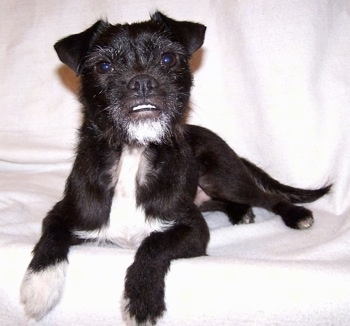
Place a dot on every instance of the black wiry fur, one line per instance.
(123, 67)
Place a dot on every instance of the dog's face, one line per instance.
(135, 79)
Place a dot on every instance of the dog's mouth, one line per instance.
(146, 110)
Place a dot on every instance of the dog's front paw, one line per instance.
(142, 315)
(143, 301)
(41, 291)
(144, 309)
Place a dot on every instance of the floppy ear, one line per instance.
(72, 49)
(190, 34)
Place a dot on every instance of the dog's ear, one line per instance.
(190, 34)
(72, 49)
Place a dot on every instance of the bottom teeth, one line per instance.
(143, 107)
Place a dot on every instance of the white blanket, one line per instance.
(273, 79)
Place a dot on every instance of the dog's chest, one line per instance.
(128, 225)
(127, 221)
(130, 170)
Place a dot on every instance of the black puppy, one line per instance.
(141, 175)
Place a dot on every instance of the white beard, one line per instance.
(146, 131)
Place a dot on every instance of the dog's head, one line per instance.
(135, 78)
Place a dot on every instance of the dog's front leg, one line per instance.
(145, 278)
(85, 207)
(44, 279)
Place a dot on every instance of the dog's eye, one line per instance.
(104, 67)
(168, 59)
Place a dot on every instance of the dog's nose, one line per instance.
(143, 85)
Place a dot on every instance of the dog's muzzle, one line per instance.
(144, 99)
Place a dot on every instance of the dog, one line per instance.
(142, 176)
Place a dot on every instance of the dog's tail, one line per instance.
(295, 195)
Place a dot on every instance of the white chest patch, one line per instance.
(127, 223)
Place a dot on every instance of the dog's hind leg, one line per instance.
(296, 217)
(239, 209)
(44, 279)
(239, 192)
(237, 213)
(223, 176)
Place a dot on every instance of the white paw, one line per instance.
(41, 291)
(305, 223)
(248, 218)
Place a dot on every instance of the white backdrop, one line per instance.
(273, 79)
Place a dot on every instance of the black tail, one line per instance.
(295, 195)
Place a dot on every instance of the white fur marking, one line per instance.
(128, 170)
(41, 291)
(125, 234)
(149, 130)
(128, 225)
(305, 223)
